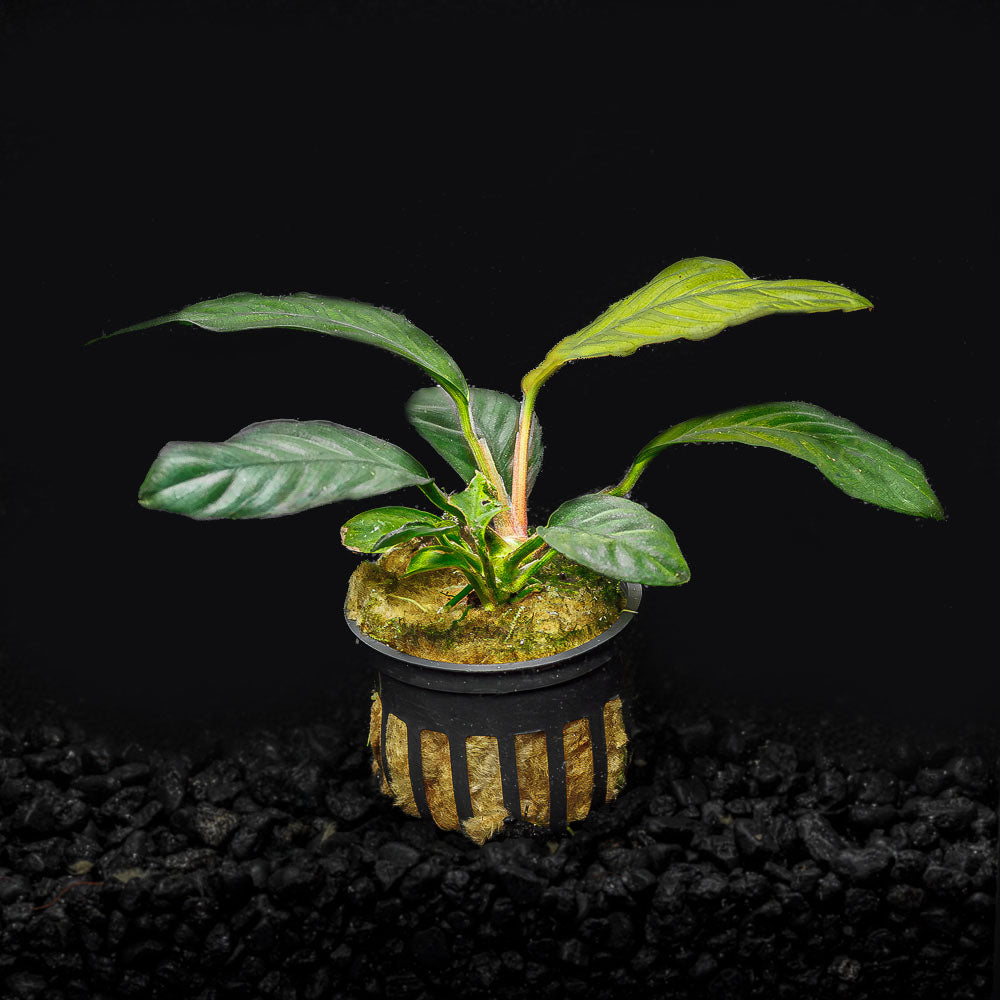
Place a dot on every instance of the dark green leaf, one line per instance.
(274, 468)
(862, 465)
(618, 538)
(362, 531)
(339, 317)
(495, 416)
(692, 299)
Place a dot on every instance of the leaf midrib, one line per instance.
(781, 432)
(343, 324)
(892, 462)
(410, 353)
(660, 306)
(309, 461)
(581, 524)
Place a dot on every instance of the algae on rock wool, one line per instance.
(573, 606)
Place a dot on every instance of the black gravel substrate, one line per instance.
(748, 857)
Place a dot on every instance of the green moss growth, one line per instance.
(574, 605)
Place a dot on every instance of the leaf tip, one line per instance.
(937, 511)
(858, 302)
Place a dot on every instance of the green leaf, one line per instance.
(528, 570)
(274, 468)
(693, 299)
(431, 558)
(495, 415)
(362, 531)
(476, 504)
(477, 508)
(618, 538)
(862, 465)
(408, 531)
(464, 592)
(509, 564)
(338, 317)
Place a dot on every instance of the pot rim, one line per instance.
(633, 595)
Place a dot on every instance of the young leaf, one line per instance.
(692, 299)
(430, 558)
(862, 465)
(495, 416)
(618, 538)
(338, 317)
(274, 468)
(477, 506)
(528, 570)
(409, 531)
(362, 531)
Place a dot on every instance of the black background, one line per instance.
(500, 174)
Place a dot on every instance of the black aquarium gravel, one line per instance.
(748, 857)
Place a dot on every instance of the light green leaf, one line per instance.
(430, 558)
(477, 508)
(477, 505)
(495, 415)
(618, 538)
(408, 531)
(693, 299)
(862, 465)
(274, 468)
(338, 317)
(362, 531)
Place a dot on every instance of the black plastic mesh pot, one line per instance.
(503, 701)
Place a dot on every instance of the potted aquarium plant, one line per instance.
(495, 637)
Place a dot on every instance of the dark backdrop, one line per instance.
(500, 174)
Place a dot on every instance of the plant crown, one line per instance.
(494, 443)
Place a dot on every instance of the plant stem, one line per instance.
(524, 550)
(519, 478)
(490, 577)
(625, 486)
(465, 419)
(483, 582)
(463, 550)
(506, 527)
(433, 493)
(531, 569)
(484, 597)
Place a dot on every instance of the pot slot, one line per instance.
(389, 739)
(532, 775)
(615, 740)
(439, 788)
